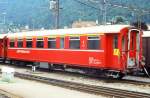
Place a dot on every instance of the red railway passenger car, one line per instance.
(113, 49)
(3, 47)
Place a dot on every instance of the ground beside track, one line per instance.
(32, 89)
(87, 80)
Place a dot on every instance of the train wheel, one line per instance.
(50, 67)
(115, 75)
(10, 62)
(121, 75)
(4, 60)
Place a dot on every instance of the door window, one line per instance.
(123, 44)
(115, 42)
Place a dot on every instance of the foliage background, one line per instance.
(36, 13)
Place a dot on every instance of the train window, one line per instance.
(123, 44)
(132, 42)
(29, 43)
(62, 43)
(20, 43)
(94, 42)
(74, 42)
(115, 42)
(51, 42)
(39, 43)
(12, 43)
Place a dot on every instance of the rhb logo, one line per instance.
(93, 60)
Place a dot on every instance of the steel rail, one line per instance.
(127, 81)
(6, 94)
(99, 90)
(106, 80)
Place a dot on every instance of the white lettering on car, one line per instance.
(93, 60)
(23, 51)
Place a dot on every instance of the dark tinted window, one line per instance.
(39, 43)
(51, 42)
(61, 43)
(29, 43)
(132, 42)
(12, 43)
(74, 43)
(115, 41)
(93, 43)
(20, 43)
(123, 44)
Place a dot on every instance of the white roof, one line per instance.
(146, 34)
(86, 30)
(2, 36)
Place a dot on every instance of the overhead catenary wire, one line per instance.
(105, 3)
(116, 5)
(83, 3)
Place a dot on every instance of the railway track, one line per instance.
(5, 94)
(106, 80)
(99, 90)
(127, 81)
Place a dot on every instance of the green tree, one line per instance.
(119, 20)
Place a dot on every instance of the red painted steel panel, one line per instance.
(57, 56)
(24, 42)
(92, 59)
(16, 41)
(1, 48)
(66, 42)
(34, 42)
(109, 50)
(45, 42)
(57, 42)
(83, 41)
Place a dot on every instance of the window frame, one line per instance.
(40, 40)
(52, 39)
(19, 40)
(115, 41)
(94, 38)
(74, 38)
(12, 40)
(29, 40)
